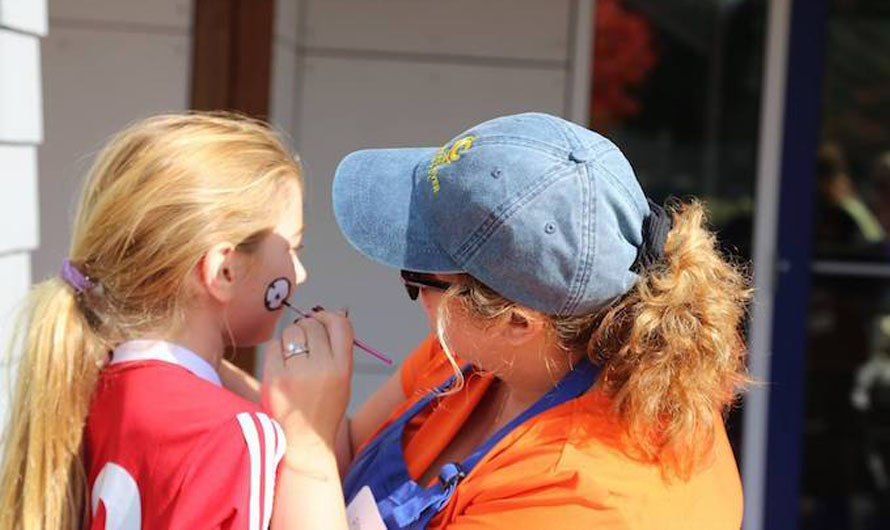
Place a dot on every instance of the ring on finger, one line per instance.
(292, 349)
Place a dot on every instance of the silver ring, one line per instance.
(292, 349)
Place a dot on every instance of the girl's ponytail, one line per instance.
(42, 481)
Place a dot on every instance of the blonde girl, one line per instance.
(119, 419)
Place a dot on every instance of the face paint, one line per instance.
(277, 294)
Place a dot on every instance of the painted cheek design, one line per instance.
(277, 294)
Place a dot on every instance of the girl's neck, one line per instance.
(201, 336)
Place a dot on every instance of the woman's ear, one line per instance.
(522, 326)
(216, 272)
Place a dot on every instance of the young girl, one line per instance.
(586, 340)
(119, 417)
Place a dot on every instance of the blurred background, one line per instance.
(775, 112)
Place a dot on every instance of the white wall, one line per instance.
(346, 74)
(105, 63)
(359, 73)
(285, 68)
(22, 23)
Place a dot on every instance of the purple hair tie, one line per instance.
(75, 278)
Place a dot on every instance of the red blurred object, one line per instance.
(623, 55)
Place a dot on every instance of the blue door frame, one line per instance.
(803, 105)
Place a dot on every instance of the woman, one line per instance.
(585, 345)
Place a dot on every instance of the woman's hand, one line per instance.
(308, 392)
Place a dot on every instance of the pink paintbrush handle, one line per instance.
(372, 351)
(360, 344)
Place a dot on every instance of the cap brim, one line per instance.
(378, 204)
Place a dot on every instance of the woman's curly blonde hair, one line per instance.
(671, 349)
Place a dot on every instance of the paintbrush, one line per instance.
(360, 344)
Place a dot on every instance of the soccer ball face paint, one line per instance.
(277, 294)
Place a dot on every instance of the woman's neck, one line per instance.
(520, 387)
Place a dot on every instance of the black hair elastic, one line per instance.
(656, 228)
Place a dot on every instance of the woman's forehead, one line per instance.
(446, 277)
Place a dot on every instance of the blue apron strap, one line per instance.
(366, 459)
(412, 503)
(412, 506)
(422, 403)
(575, 383)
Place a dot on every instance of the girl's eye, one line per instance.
(297, 248)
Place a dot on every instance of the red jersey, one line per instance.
(167, 447)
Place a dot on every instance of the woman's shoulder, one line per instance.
(573, 455)
(596, 448)
(595, 434)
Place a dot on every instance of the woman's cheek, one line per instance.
(431, 314)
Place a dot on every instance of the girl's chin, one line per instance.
(251, 341)
(259, 334)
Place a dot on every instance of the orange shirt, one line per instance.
(561, 469)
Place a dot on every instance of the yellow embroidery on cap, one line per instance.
(461, 146)
(446, 156)
(433, 172)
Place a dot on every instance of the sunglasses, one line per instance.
(414, 281)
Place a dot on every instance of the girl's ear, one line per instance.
(216, 272)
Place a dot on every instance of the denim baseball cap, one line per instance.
(545, 212)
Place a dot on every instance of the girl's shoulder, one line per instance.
(200, 452)
(156, 399)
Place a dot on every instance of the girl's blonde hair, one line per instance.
(671, 349)
(158, 197)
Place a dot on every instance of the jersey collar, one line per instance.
(158, 350)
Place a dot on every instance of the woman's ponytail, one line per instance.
(672, 348)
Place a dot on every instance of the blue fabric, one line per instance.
(532, 189)
(404, 504)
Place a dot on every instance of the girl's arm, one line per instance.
(308, 478)
(307, 393)
(352, 432)
(309, 495)
(238, 381)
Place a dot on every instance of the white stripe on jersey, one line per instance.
(281, 443)
(251, 436)
(268, 468)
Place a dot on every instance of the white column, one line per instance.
(22, 23)
(756, 420)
